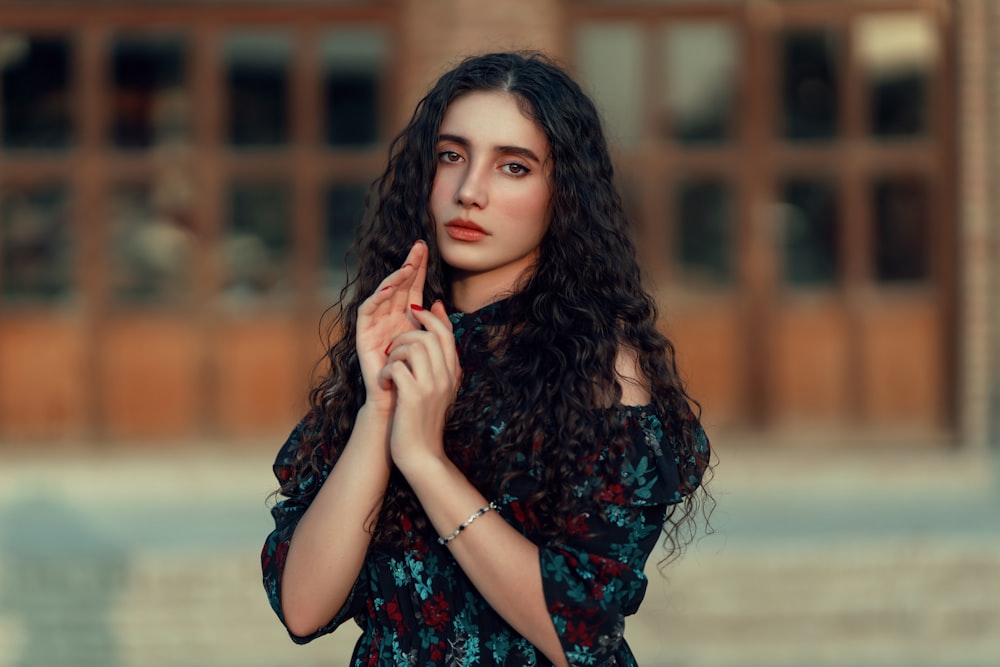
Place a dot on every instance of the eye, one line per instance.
(516, 169)
(449, 156)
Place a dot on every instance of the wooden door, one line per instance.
(788, 169)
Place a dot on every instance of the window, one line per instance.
(257, 243)
(700, 65)
(35, 92)
(257, 84)
(811, 87)
(152, 245)
(37, 258)
(353, 60)
(901, 208)
(808, 220)
(150, 103)
(705, 228)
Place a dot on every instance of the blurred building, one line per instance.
(813, 183)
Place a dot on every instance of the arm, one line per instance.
(327, 549)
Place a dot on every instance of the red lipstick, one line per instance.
(464, 230)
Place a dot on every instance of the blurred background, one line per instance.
(815, 197)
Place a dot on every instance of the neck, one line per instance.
(472, 291)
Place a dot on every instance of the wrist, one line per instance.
(424, 468)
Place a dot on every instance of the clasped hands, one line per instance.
(408, 360)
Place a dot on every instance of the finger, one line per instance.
(420, 261)
(436, 322)
(389, 288)
(384, 378)
(397, 374)
(440, 345)
(439, 311)
(423, 354)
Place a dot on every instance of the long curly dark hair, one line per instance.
(563, 327)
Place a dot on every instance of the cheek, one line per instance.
(533, 208)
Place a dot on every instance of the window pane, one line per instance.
(150, 103)
(257, 67)
(704, 232)
(700, 96)
(345, 206)
(34, 91)
(36, 245)
(896, 53)
(810, 94)
(609, 58)
(257, 244)
(807, 218)
(901, 207)
(152, 245)
(352, 70)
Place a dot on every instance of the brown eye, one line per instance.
(516, 169)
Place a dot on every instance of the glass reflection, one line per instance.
(896, 53)
(700, 96)
(345, 207)
(811, 88)
(256, 248)
(901, 208)
(352, 69)
(807, 218)
(34, 91)
(149, 101)
(36, 245)
(257, 78)
(152, 245)
(610, 61)
(704, 232)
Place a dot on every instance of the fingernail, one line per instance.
(416, 306)
(387, 348)
(405, 265)
(387, 287)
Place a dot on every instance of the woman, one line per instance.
(480, 480)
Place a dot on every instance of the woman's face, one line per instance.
(490, 198)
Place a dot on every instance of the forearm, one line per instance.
(328, 547)
(500, 562)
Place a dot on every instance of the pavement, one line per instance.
(147, 556)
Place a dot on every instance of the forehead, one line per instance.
(493, 118)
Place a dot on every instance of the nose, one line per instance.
(472, 191)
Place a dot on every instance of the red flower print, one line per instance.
(577, 525)
(576, 633)
(435, 611)
(612, 493)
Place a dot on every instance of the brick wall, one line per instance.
(994, 171)
(432, 32)
(978, 371)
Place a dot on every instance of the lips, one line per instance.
(464, 230)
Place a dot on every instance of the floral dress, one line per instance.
(415, 605)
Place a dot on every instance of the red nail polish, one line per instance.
(387, 287)
(387, 348)
(416, 306)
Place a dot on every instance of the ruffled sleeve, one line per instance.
(286, 514)
(594, 577)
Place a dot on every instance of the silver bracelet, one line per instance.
(475, 515)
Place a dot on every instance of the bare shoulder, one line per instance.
(634, 384)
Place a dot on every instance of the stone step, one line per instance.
(864, 605)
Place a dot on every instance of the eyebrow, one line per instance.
(515, 150)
